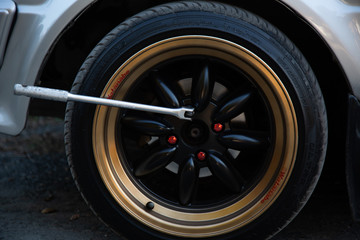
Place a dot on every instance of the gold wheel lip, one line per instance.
(202, 224)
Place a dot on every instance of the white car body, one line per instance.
(38, 24)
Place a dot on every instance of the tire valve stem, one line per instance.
(150, 205)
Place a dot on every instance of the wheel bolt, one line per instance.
(201, 156)
(218, 127)
(172, 140)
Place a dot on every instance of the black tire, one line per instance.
(261, 80)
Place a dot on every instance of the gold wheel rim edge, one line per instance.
(119, 184)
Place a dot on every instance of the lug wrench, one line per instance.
(64, 96)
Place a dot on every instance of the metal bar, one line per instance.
(64, 96)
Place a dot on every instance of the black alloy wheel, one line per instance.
(210, 160)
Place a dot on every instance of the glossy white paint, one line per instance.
(338, 22)
(7, 13)
(38, 24)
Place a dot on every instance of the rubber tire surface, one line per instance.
(211, 19)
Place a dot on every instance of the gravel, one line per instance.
(38, 199)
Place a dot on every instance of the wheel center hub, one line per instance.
(195, 132)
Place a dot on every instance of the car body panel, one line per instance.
(40, 22)
(7, 12)
(338, 23)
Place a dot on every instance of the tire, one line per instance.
(242, 168)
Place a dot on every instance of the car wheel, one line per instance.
(242, 167)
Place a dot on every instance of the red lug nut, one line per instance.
(201, 156)
(218, 127)
(172, 140)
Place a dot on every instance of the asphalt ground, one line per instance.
(39, 201)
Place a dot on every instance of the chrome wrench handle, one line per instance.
(64, 96)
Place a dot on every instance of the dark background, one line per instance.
(38, 199)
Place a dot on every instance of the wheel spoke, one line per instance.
(148, 126)
(206, 163)
(241, 140)
(188, 180)
(232, 108)
(202, 90)
(156, 161)
(165, 93)
(222, 169)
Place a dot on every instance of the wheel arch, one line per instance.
(69, 51)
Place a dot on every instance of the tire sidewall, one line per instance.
(263, 40)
